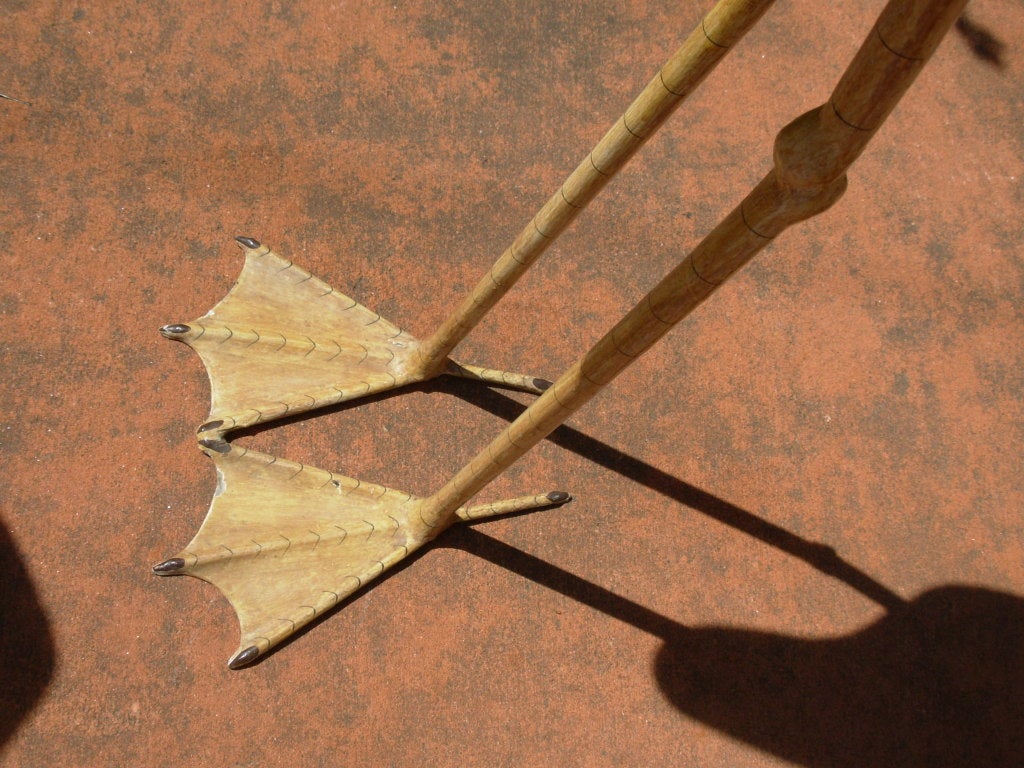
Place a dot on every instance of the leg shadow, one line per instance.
(819, 556)
(935, 683)
(27, 657)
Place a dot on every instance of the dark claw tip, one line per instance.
(559, 497)
(211, 425)
(542, 384)
(173, 565)
(242, 658)
(220, 446)
(175, 329)
(248, 242)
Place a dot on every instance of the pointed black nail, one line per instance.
(248, 242)
(559, 497)
(173, 565)
(244, 657)
(220, 446)
(542, 384)
(175, 329)
(210, 425)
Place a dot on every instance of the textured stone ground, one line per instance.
(797, 535)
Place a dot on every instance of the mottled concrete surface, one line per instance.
(798, 531)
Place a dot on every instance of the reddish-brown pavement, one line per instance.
(797, 535)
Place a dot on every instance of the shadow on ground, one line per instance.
(934, 683)
(27, 656)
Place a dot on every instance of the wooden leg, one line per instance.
(283, 342)
(286, 542)
(812, 155)
(714, 37)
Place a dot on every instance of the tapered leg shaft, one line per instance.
(811, 157)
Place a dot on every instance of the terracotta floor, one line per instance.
(797, 537)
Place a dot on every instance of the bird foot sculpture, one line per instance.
(286, 542)
(283, 342)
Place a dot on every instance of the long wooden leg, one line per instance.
(717, 33)
(812, 155)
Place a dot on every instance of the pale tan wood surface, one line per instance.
(285, 542)
(284, 342)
